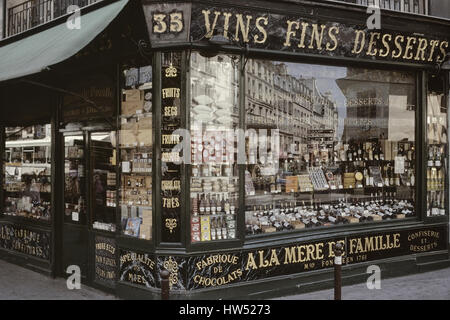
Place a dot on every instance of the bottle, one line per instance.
(386, 175)
(227, 206)
(213, 205)
(332, 219)
(375, 152)
(360, 157)
(202, 206)
(278, 183)
(442, 205)
(360, 218)
(207, 205)
(349, 154)
(430, 157)
(233, 205)
(194, 205)
(273, 187)
(219, 205)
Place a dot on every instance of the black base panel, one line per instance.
(299, 283)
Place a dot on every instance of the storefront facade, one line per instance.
(232, 145)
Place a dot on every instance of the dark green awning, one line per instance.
(41, 50)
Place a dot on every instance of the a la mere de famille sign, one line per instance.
(194, 22)
(208, 270)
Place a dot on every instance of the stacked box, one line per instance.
(298, 224)
(351, 219)
(195, 229)
(349, 180)
(145, 231)
(205, 226)
(144, 135)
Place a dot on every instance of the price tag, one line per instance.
(399, 165)
(75, 216)
(380, 185)
(126, 167)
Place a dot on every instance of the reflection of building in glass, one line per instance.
(216, 77)
(293, 105)
(369, 106)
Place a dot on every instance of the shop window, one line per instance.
(214, 174)
(74, 179)
(27, 175)
(437, 144)
(357, 166)
(136, 153)
(103, 180)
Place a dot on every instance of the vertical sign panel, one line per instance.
(105, 260)
(170, 165)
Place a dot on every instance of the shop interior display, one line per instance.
(27, 182)
(136, 145)
(361, 186)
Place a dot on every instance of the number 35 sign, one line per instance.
(175, 21)
(168, 22)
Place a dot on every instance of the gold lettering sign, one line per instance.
(141, 258)
(170, 111)
(171, 203)
(170, 156)
(170, 138)
(170, 93)
(423, 241)
(218, 281)
(170, 185)
(253, 28)
(105, 246)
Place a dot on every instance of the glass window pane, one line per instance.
(27, 181)
(136, 153)
(74, 179)
(341, 149)
(214, 119)
(103, 180)
(437, 148)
